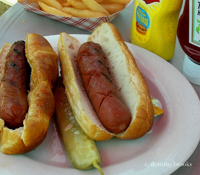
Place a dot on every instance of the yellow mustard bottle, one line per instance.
(154, 26)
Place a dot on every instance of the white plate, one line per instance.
(164, 149)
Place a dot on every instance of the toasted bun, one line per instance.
(43, 62)
(125, 74)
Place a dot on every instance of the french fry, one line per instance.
(52, 10)
(66, 4)
(94, 6)
(36, 1)
(112, 8)
(115, 1)
(99, 1)
(83, 13)
(53, 3)
(77, 4)
(62, 1)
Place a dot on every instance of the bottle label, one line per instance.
(145, 10)
(194, 22)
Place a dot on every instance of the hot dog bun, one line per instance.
(126, 76)
(43, 62)
(82, 109)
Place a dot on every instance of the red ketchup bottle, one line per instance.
(188, 33)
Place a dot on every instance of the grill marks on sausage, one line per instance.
(107, 78)
(13, 65)
(15, 80)
(97, 82)
(17, 51)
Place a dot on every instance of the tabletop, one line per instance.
(17, 22)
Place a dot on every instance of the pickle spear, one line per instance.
(82, 150)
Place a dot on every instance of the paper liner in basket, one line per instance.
(88, 24)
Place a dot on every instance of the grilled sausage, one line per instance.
(13, 90)
(111, 111)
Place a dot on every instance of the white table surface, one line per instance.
(17, 22)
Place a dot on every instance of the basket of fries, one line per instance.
(85, 14)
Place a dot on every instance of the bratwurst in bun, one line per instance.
(106, 90)
(28, 73)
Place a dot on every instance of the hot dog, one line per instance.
(101, 92)
(42, 59)
(125, 76)
(14, 86)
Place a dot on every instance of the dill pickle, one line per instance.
(82, 150)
